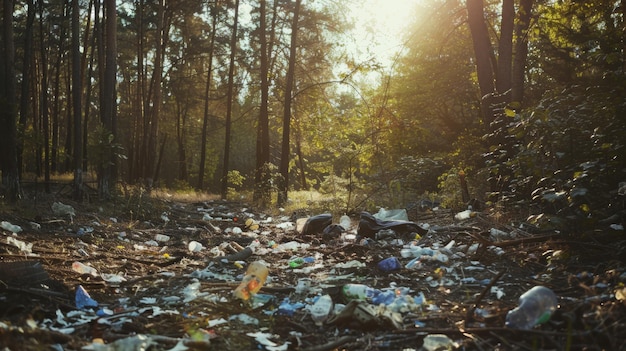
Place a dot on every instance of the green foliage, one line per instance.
(182, 186)
(570, 152)
(270, 181)
(450, 189)
(235, 180)
(103, 149)
(414, 177)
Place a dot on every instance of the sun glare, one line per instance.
(380, 27)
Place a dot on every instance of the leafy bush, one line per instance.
(569, 152)
(235, 181)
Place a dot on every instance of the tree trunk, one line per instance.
(26, 80)
(87, 66)
(8, 108)
(108, 117)
(505, 47)
(76, 102)
(261, 191)
(207, 90)
(521, 50)
(285, 149)
(482, 47)
(55, 162)
(139, 150)
(45, 114)
(181, 126)
(229, 103)
(156, 94)
(623, 7)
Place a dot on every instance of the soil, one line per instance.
(153, 294)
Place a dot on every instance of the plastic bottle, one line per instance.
(384, 297)
(253, 280)
(321, 309)
(10, 227)
(299, 261)
(414, 263)
(82, 268)
(535, 307)
(359, 292)
(345, 222)
(303, 286)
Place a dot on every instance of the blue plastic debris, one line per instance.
(83, 299)
(287, 308)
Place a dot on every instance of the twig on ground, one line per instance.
(470, 311)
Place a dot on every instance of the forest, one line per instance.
(173, 172)
(518, 104)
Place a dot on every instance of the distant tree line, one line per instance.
(180, 93)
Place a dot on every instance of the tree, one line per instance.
(156, 94)
(106, 174)
(76, 102)
(495, 95)
(285, 155)
(229, 103)
(495, 74)
(205, 119)
(26, 78)
(44, 101)
(8, 107)
(263, 135)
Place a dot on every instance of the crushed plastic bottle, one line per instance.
(434, 342)
(303, 286)
(253, 280)
(299, 261)
(467, 214)
(358, 292)
(82, 268)
(535, 307)
(414, 263)
(10, 227)
(384, 297)
(321, 309)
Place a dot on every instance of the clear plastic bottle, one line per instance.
(253, 280)
(359, 292)
(535, 307)
(321, 309)
(82, 268)
(345, 222)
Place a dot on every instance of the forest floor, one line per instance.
(153, 293)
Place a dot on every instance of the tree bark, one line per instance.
(261, 193)
(285, 149)
(86, 66)
(229, 103)
(152, 171)
(76, 103)
(482, 47)
(207, 90)
(45, 114)
(181, 127)
(8, 112)
(521, 50)
(26, 80)
(108, 118)
(505, 47)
